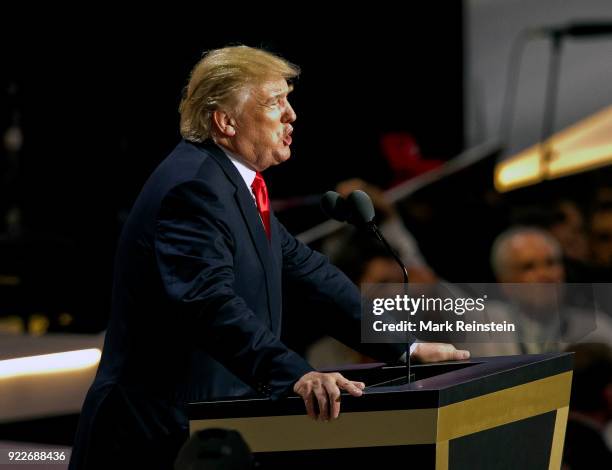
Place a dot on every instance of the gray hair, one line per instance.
(499, 249)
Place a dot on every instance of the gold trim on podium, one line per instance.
(505, 406)
(406, 427)
(442, 455)
(364, 429)
(556, 451)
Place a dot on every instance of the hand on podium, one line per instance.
(437, 352)
(323, 390)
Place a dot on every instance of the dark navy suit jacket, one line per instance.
(196, 311)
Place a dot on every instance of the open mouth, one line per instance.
(287, 139)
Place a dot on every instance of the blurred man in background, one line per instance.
(527, 262)
(601, 236)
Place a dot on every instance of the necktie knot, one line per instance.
(260, 191)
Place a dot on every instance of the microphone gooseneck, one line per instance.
(358, 210)
(361, 214)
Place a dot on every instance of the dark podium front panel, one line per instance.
(486, 413)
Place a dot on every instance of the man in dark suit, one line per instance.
(197, 291)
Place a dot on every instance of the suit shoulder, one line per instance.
(187, 162)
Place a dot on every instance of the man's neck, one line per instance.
(228, 148)
(246, 172)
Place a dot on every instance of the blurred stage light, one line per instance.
(49, 363)
(584, 146)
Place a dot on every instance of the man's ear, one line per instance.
(223, 123)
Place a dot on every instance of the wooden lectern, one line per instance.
(505, 412)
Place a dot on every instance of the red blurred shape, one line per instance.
(404, 156)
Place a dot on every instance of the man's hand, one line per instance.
(325, 389)
(436, 352)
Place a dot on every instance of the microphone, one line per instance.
(361, 208)
(334, 206)
(576, 29)
(361, 214)
(358, 210)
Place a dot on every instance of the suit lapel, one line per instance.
(276, 273)
(256, 230)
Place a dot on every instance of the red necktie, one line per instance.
(263, 203)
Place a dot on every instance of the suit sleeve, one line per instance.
(194, 252)
(326, 284)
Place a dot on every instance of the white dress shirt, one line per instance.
(247, 174)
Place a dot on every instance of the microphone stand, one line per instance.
(376, 231)
(548, 120)
(359, 211)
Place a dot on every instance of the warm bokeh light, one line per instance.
(584, 146)
(49, 363)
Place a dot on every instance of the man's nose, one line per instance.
(549, 274)
(290, 115)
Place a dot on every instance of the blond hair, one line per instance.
(218, 80)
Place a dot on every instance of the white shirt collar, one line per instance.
(247, 174)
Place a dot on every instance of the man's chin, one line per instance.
(283, 157)
(275, 160)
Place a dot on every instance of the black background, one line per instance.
(97, 98)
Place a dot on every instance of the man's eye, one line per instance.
(527, 266)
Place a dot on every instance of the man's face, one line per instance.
(532, 258)
(601, 237)
(533, 261)
(263, 125)
(570, 233)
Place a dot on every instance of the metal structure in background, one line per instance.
(546, 159)
(411, 186)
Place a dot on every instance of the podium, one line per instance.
(505, 412)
